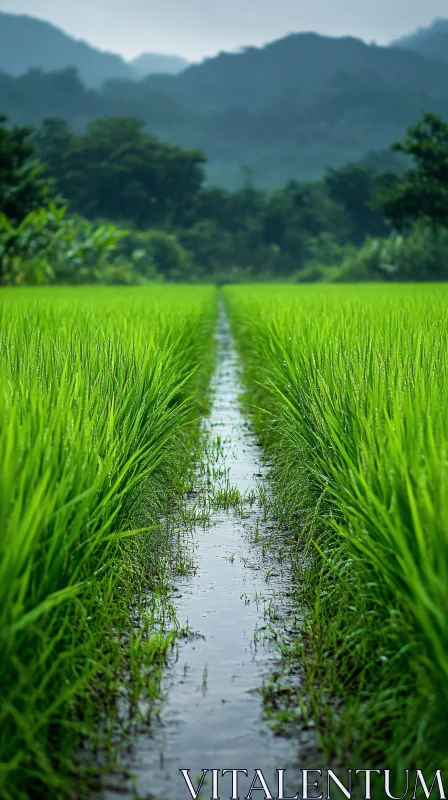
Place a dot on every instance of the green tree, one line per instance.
(295, 216)
(165, 255)
(422, 193)
(117, 170)
(214, 247)
(53, 140)
(355, 188)
(22, 185)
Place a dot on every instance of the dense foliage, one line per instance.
(421, 255)
(136, 209)
(423, 192)
(22, 186)
(118, 171)
(48, 246)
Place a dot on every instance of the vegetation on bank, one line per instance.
(100, 396)
(115, 205)
(348, 390)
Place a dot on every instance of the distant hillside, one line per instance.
(431, 41)
(287, 110)
(149, 63)
(26, 42)
(296, 69)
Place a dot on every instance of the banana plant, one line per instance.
(49, 246)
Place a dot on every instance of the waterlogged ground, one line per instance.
(212, 716)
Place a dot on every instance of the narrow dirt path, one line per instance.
(212, 716)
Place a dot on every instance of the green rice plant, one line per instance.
(350, 394)
(100, 393)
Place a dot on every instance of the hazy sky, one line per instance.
(196, 28)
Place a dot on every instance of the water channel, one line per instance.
(212, 715)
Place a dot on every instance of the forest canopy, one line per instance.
(170, 223)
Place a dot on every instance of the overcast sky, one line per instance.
(197, 28)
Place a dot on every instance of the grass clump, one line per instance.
(100, 392)
(349, 391)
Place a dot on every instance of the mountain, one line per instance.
(26, 43)
(149, 63)
(297, 68)
(431, 41)
(286, 110)
(30, 43)
(297, 105)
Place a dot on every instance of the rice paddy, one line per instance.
(349, 392)
(99, 404)
(102, 393)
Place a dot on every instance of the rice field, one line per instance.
(99, 405)
(349, 392)
(102, 393)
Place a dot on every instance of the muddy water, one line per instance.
(212, 717)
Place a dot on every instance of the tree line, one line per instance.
(178, 227)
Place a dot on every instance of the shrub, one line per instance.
(421, 255)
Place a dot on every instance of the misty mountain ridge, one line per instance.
(29, 43)
(296, 68)
(286, 110)
(148, 63)
(431, 41)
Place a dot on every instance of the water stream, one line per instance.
(212, 717)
